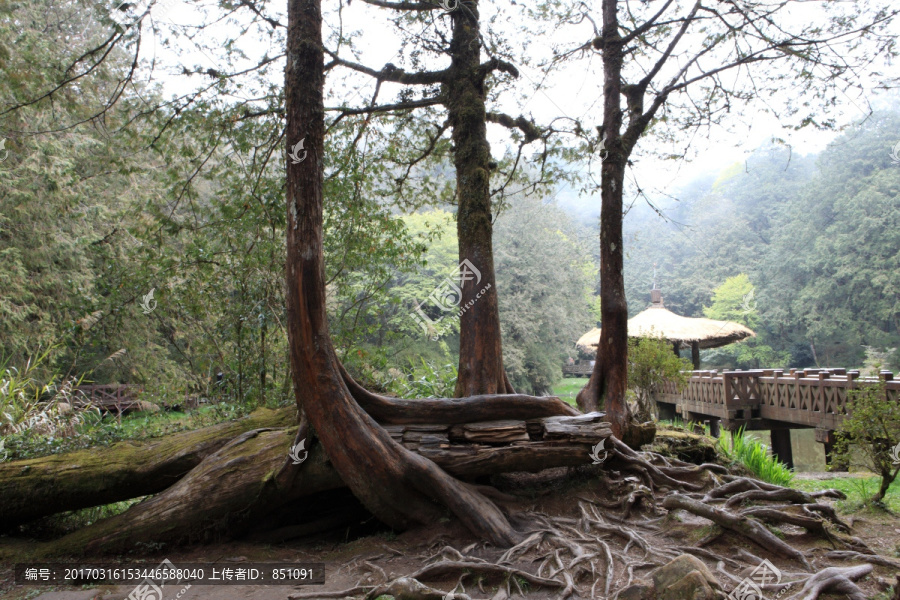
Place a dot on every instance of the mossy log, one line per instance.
(237, 486)
(38, 487)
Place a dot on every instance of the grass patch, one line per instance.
(754, 455)
(858, 490)
(568, 388)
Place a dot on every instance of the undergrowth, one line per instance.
(753, 454)
(859, 491)
(96, 430)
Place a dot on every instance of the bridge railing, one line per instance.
(115, 397)
(814, 397)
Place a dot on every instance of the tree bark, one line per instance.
(242, 484)
(399, 487)
(480, 348)
(227, 490)
(398, 411)
(609, 378)
(38, 487)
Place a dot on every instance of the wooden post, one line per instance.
(781, 446)
(695, 354)
(714, 428)
(828, 438)
(675, 348)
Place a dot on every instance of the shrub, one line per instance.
(424, 380)
(650, 363)
(41, 409)
(872, 428)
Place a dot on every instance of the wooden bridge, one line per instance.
(109, 398)
(771, 399)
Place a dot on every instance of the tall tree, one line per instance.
(397, 485)
(462, 90)
(682, 65)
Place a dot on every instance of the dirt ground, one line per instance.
(384, 555)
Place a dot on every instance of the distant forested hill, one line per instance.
(818, 237)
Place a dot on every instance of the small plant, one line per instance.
(427, 380)
(41, 409)
(754, 455)
(872, 428)
(650, 363)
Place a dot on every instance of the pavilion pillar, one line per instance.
(675, 347)
(695, 354)
(781, 446)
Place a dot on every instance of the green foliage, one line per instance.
(803, 230)
(734, 301)
(870, 435)
(545, 280)
(39, 409)
(425, 380)
(753, 454)
(858, 488)
(92, 431)
(650, 363)
(568, 389)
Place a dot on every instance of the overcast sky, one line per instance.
(572, 91)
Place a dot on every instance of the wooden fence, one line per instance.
(111, 398)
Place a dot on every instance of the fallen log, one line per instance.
(38, 487)
(238, 484)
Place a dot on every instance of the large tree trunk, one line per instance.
(399, 487)
(480, 349)
(609, 379)
(43, 486)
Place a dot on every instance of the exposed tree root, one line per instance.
(834, 580)
(747, 527)
(449, 411)
(783, 494)
(408, 588)
(654, 477)
(597, 552)
(874, 559)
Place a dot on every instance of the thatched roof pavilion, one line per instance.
(683, 332)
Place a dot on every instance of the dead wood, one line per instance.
(38, 487)
(250, 477)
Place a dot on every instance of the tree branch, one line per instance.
(392, 73)
(532, 132)
(418, 6)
